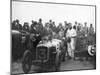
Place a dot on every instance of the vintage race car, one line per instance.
(50, 53)
(21, 41)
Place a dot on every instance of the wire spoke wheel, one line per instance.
(27, 62)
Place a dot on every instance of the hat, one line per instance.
(40, 19)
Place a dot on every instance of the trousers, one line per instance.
(71, 47)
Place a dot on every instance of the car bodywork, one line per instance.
(19, 43)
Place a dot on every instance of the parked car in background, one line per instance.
(19, 43)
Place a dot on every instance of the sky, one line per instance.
(27, 11)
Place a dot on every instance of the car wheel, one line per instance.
(27, 61)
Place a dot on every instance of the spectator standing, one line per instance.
(85, 29)
(19, 26)
(33, 27)
(40, 26)
(61, 34)
(91, 35)
(79, 27)
(91, 29)
(14, 27)
(26, 27)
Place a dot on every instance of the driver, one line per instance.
(47, 33)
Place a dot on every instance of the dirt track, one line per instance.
(68, 65)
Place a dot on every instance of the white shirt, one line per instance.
(71, 33)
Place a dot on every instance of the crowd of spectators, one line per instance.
(51, 29)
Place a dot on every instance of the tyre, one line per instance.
(27, 61)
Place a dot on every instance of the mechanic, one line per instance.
(71, 37)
